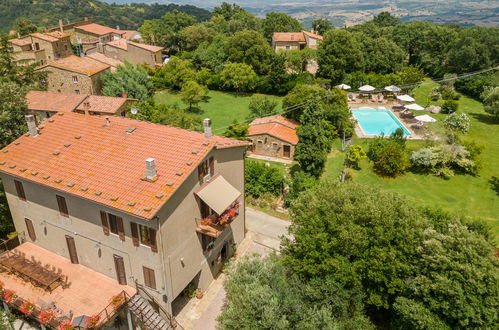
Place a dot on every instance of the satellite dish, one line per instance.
(134, 110)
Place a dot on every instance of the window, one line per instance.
(206, 169)
(75, 79)
(65, 47)
(20, 190)
(143, 235)
(63, 208)
(112, 223)
(275, 145)
(288, 48)
(77, 91)
(149, 278)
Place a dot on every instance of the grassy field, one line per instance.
(463, 194)
(221, 107)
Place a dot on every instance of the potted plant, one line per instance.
(206, 221)
(117, 300)
(2, 285)
(92, 321)
(199, 293)
(46, 316)
(66, 325)
(9, 296)
(27, 308)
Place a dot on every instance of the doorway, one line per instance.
(73, 255)
(286, 151)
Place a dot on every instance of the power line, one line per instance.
(437, 80)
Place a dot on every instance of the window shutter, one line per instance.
(152, 236)
(121, 229)
(149, 278)
(30, 228)
(20, 190)
(63, 208)
(135, 233)
(105, 224)
(120, 269)
(212, 166)
(200, 173)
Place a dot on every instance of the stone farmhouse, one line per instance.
(41, 48)
(295, 40)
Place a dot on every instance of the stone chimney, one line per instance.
(151, 169)
(86, 107)
(61, 28)
(207, 128)
(107, 122)
(100, 47)
(33, 130)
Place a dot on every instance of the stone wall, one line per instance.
(60, 80)
(266, 145)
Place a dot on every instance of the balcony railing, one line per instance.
(214, 224)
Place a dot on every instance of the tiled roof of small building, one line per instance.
(98, 29)
(45, 37)
(105, 59)
(313, 35)
(52, 101)
(79, 64)
(289, 36)
(276, 126)
(82, 156)
(57, 34)
(20, 41)
(102, 104)
(123, 44)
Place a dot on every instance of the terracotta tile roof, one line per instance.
(150, 48)
(275, 119)
(57, 34)
(105, 59)
(79, 64)
(44, 36)
(123, 44)
(80, 155)
(119, 43)
(98, 29)
(289, 36)
(129, 33)
(276, 126)
(313, 35)
(20, 41)
(54, 102)
(102, 104)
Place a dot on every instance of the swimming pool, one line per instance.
(378, 121)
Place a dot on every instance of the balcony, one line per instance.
(214, 225)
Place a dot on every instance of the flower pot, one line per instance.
(199, 293)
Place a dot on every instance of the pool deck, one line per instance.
(420, 133)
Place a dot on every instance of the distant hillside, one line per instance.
(46, 13)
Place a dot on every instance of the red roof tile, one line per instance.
(119, 43)
(150, 48)
(105, 59)
(276, 126)
(79, 64)
(20, 41)
(123, 44)
(289, 36)
(98, 29)
(53, 102)
(44, 36)
(57, 34)
(102, 104)
(82, 156)
(313, 35)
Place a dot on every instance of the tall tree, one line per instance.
(23, 26)
(322, 25)
(382, 55)
(192, 93)
(251, 48)
(339, 53)
(211, 55)
(192, 36)
(238, 76)
(385, 19)
(261, 106)
(491, 101)
(279, 22)
(130, 79)
(174, 74)
(299, 95)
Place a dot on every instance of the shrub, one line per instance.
(450, 95)
(444, 160)
(355, 154)
(261, 106)
(392, 160)
(300, 181)
(435, 94)
(261, 179)
(457, 122)
(449, 106)
(491, 101)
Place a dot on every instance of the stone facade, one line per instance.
(267, 145)
(133, 53)
(65, 81)
(38, 50)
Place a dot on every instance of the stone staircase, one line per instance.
(147, 315)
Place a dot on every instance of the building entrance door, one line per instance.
(286, 151)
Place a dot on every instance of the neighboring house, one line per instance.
(91, 34)
(46, 104)
(70, 28)
(295, 40)
(74, 74)
(273, 136)
(150, 206)
(113, 63)
(135, 53)
(41, 48)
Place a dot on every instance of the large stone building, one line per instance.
(295, 40)
(41, 48)
(74, 74)
(146, 205)
(46, 104)
(133, 52)
(273, 136)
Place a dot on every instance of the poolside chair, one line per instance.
(350, 97)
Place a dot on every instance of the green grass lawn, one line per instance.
(221, 107)
(463, 194)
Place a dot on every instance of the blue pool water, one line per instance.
(378, 122)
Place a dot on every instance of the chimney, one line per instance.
(33, 130)
(86, 107)
(108, 122)
(117, 27)
(207, 128)
(151, 169)
(60, 26)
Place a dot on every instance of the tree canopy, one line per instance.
(133, 80)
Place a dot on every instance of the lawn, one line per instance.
(221, 107)
(462, 194)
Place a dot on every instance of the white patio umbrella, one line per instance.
(425, 118)
(392, 88)
(414, 106)
(405, 98)
(343, 86)
(366, 88)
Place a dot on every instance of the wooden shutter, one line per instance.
(30, 228)
(135, 233)
(105, 224)
(201, 173)
(121, 229)
(20, 190)
(152, 237)
(73, 256)
(120, 269)
(63, 208)
(212, 166)
(149, 278)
